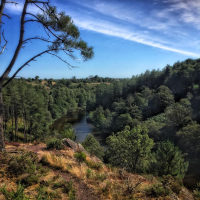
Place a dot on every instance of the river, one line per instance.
(81, 126)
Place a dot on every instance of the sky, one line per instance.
(129, 37)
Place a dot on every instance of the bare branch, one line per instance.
(11, 2)
(1, 14)
(43, 2)
(37, 38)
(26, 63)
(7, 16)
(62, 60)
(4, 44)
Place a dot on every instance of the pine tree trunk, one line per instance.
(2, 144)
(16, 127)
(12, 124)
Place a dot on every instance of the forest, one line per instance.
(152, 119)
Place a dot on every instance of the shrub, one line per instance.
(30, 180)
(100, 177)
(157, 190)
(54, 144)
(25, 163)
(89, 173)
(93, 146)
(18, 195)
(94, 165)
(197, 191)
(81, 157)
(45, 194)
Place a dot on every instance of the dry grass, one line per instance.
(65, 164)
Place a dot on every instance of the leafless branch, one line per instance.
(37, 38)
(11, 2)
(26, 63)
(4, 44)
(7, 16)
(43, 2)
(69, 66)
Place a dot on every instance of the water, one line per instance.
(81, 126)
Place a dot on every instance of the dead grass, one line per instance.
(68, 165)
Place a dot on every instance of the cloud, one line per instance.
(116, 31)
(17, 9)
(157, 27)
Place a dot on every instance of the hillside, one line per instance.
(57, 174)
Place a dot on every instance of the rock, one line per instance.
(73, 145)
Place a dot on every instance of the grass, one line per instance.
(102, 180)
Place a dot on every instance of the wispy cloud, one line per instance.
(112, 30)
(17, 9)
(159, 26)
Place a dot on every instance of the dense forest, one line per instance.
(153, 119)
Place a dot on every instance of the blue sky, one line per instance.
(128, 37)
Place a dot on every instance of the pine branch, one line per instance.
(26, 63)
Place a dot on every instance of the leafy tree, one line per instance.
(97, 116)
(189, 139)
(65, 37)
(93, 146)
(178, 115)
(129, 148)
(169, 160)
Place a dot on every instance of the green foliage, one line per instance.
(157, 190)
(179, 115)
(89, 173)
(54, 144)
(94, 165)
(169, 160)
(25, 163)
(93, 146)
(68, 132)
(81, 157)
(14, 195)
(189, 139)
(100, 177)
(43, 193)
(130, 148)
(197, 191)
(30, 180)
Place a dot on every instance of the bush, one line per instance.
(100, 177)
(81, 157)
(30, 180)
(54, 144)
(94, 165)
(45, 194)
(93, 146)
(157, 190)
(24, 163)
(12, 195)
(89, 173)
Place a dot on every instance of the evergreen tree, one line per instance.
(169, 160)
(129, 148)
